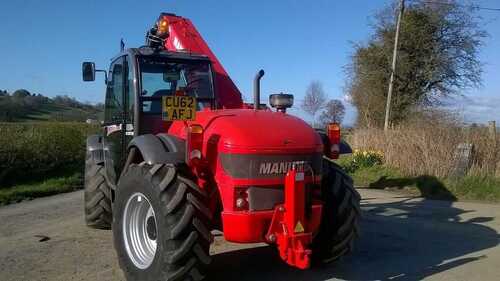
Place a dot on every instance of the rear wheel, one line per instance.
(160, 224)
(97, 196)
(341, 211)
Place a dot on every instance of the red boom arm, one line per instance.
(183, 36)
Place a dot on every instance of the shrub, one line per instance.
(35, 150)
(361, 159)
(367, 158)
(428, 148)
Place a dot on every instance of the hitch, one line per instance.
(290, 229)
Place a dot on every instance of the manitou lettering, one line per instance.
(265, 168)
(277, 168)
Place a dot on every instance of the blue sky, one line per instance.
(44, 42)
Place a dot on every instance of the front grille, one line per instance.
(264, 198)
(255, 166)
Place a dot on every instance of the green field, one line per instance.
(57, 112)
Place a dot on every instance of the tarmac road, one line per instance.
(402, 239)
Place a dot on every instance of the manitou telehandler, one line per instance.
(181, 155)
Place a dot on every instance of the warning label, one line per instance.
(299, 227)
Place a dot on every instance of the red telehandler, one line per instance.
(181, 155)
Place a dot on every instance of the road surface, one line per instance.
(402, 239)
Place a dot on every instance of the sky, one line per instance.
(43, 44)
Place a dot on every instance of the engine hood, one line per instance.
(258, 145)
(247, 130)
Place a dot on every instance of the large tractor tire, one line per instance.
(341, 211)
(97, 195)
(161, 224)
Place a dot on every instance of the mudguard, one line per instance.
(95, 148)
(344, 147)
(99, 152)
(161, 148)
(174, 144)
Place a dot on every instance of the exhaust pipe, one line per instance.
(256, 89)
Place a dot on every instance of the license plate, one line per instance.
(178, 108)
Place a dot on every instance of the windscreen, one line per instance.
(162, 77)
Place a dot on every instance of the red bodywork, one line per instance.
(236, 132)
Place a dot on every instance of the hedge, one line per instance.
(36, 150)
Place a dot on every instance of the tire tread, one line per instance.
(97, 196)
(186, 220)
(339, 226)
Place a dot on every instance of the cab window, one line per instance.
(115, 92)
(160, 77)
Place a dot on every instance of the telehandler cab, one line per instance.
(181, 155)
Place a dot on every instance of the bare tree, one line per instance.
(314, 99)
(334, 113)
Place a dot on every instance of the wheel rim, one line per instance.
(140, 230)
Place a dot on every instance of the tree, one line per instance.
(314, 99)
(334, 112)
(21, 94)
(438, 57)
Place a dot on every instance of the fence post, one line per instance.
(492, 132)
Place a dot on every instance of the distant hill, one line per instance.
(57, 112)
(22, 106)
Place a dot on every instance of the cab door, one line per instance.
(115, 116)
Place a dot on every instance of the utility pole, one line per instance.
(393, 69)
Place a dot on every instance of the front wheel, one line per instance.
(341, 212)
(160, 225)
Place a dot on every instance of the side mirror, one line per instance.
(281, 101)
(88, 71)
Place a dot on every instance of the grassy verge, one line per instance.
(47, 187)
(481, 188)
(476, 188)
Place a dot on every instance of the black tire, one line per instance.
(182, 221)
(341, 212)
(97, 195)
